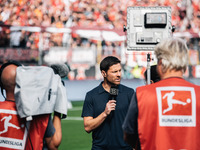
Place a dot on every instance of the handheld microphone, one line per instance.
(61, 69)
(113, 96)
(113, 92)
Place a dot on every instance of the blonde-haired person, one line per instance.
(172, 55)
(165, 115)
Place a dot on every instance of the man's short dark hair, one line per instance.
(107, 62)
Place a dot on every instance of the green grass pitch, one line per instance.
(74, 136)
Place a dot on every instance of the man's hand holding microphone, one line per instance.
(111, 105)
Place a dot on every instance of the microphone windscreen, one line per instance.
(114, 91)
(61, 69)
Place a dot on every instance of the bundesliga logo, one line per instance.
(176, 106)
(12, 130)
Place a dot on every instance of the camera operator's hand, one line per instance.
(54, 141)
(110, 106)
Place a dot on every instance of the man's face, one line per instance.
(113, 75)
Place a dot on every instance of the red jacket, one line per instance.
(168, 115)
(13, 133)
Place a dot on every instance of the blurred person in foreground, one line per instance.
(154, 76)
(165, 115)
(104, 112)
(20, 134)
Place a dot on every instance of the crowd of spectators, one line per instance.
(110, 14)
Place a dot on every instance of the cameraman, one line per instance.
(40, 128)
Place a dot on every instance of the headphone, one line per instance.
(10, 62)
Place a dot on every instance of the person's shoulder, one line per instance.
(148, 87)
(126, 88)
(94, 90)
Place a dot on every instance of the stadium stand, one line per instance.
(95, 15)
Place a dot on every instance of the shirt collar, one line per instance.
(101, 89)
